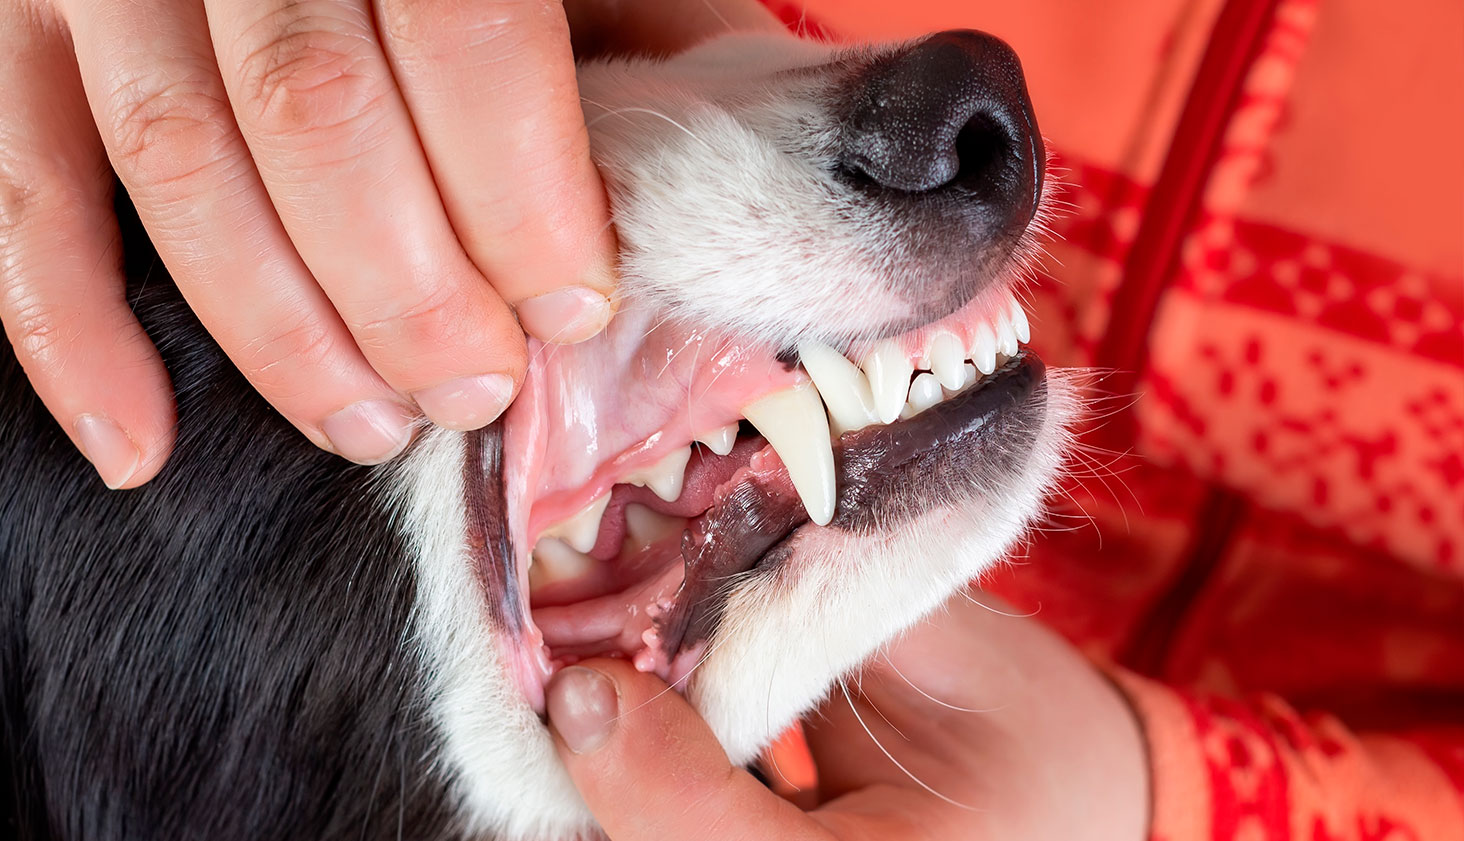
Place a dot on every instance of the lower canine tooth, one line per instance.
(582, 530)
(844, 388)
(794, 423)
(665, 476)
(556, 561)
(720, 440)
(889, 369)
(644, 527)
(925, 392)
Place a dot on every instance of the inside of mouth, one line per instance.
(610, 555)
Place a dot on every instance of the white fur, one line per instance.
(728, 217)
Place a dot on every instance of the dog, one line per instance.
(811, 422)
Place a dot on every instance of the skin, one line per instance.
(362, 200)
(1043, 747)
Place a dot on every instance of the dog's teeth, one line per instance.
(1020, 328)
(889, 370)
(665, 476)
(1006, 338)
(925, 392)
(720, 440)
(794, 422)
(583, 529)
(844, 388)
(983, 349)
(948, 360)
(554, 560)
(972, 375)
(644, 527)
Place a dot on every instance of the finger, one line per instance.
(165, 120)
(336, 149)
(661, 27)
(650, 768)
(61, 286)
(491, 89)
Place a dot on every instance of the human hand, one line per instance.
(1000, 729)
(354, 198)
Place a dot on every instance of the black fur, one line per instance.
(220, 654)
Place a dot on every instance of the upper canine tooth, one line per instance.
(794, 423)
(1020, 327)
(983, 349)
(948, 360)
(889, 369)
(665, 476)
(720, 440)
(844, 388)
(582, 530)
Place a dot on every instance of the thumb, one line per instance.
(650, 768)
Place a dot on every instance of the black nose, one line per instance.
(950, 113)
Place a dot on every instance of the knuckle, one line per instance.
(308, 76)
(444, 28)
(432, 320)
(305, 344)
(166, 133)
(36, 329)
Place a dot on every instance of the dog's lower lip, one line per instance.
(747, 528)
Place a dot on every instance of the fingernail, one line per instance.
(467, 402)
(582, 706)
(108, 448)
(565, 316)
(369, 432)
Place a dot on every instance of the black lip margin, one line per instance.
(867, 462)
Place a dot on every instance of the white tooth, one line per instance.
(925, 392)
(583, 529)
(844, 388)
(644, 526)
(556, 561)
(1006, 338)
(794, 423)
(1020, 327)
(889, 369)
(948, 360)
(665, 476)
(720, 440)
(983, 349)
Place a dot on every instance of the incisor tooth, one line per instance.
(889, 370)
(925, 392)
(844, 388)
(794, 423)
(720, 440)
(583, 529)
(1006, 338)
(983, 349)
(1020, 327)
(665, 476)
(948, 360)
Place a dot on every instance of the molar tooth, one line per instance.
(794, 422)
(844, 388)
(925, 392)
(947, 360)
(983, 349)
(582, 530)
(1020, 327)
(665, 476)
(554, 560)
(719, 440)
(644, 527)
(889, 370)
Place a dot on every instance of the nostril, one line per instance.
(949, 113)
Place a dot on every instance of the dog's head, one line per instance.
(810, 423)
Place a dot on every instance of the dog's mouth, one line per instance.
(638, 538)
